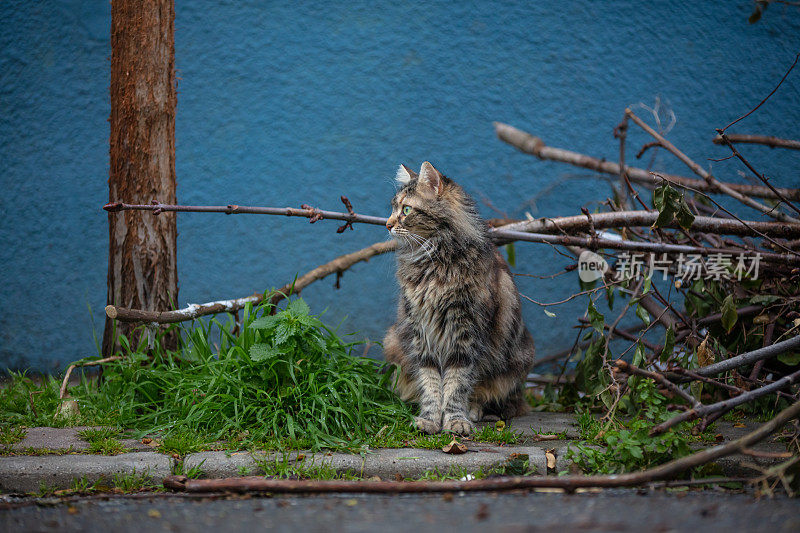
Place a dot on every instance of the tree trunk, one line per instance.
(142, 267)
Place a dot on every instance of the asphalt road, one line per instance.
(607, 511)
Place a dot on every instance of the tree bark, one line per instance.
(142, 267)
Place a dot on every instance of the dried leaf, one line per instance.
(455, 448)
(669, 345)
(551, 459)
(729, 316)
(704, 355)
(761, 319)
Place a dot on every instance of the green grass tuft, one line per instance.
(504, 436)
(286, 379)
(133, 482)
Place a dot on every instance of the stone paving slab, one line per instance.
(63, 439)
(533, 423)
(28, 473)
(53, 439)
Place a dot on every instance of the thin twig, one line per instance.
(711, 180)
(565, 300)
(628, 368)
(752, 169)
(767, 97)
(193, 311)
(62, 393)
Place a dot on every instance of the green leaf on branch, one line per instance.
(790, 358)
(638, 355)
(596, 318)
(684, 216)
(648, 282)
(764, 299)
(512, 254)
(589, 377)
(671, 205)
(669, 345)
(729, 316)
(643, 315)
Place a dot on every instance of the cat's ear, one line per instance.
(431, 177)
(405, 175)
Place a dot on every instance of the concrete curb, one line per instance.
(27, 473)
(30, 473)
(388, 463)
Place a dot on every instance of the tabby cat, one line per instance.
(459, 340)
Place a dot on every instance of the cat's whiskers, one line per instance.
(425, 245)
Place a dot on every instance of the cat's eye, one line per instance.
(406, 209)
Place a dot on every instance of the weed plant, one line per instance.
(286, 380)
(624, 444)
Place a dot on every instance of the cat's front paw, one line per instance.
(459, 426)
(426, 426)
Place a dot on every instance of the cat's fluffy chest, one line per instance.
(438, 301)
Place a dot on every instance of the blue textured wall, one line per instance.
(286, 104)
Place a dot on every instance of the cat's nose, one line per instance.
(389, 224)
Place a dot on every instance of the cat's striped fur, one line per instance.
(459, 339)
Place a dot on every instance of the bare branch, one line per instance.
(501, 234)
(715, 184)
(772, 142)
(726, 405)
(529, 144)
(750, 357)
(340, 264)
(232, 209)
(617, 219)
